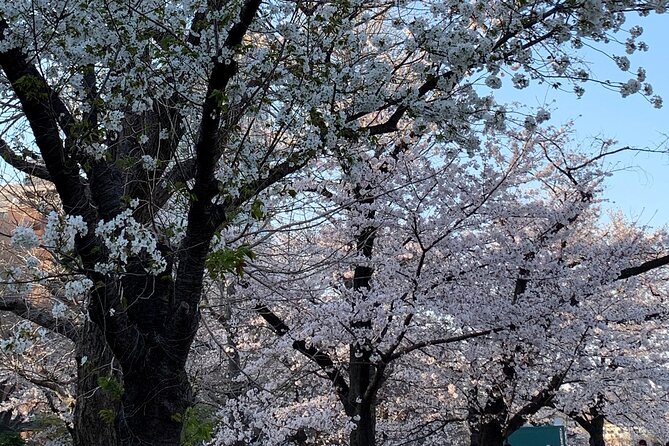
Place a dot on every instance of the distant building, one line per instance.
(24, 204)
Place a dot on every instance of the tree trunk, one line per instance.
(364, 413)
(593, 422)
(364, 433)
(95, 407)
(596, 432)
(488, 434)
(155, 400)
(154, 390)
(362, 396)
(485, 425)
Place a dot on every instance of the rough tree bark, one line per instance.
(94, 363)
(596, 432)
(485, 423)
(363, 390)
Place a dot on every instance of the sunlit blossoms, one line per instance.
(283, 222)
(21, 339)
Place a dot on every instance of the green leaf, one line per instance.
(32, 86)
(108, 416)
(198, 425)
(220, 97)
(257, 210)
(228, 260)
(11, 439)
(112, 386)
(316, 118)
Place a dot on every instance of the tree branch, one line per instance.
(203, 218)
(545, 395)
(14, 62)
(441, 341)
(40, 316)
(47, 115)
(450, 77)
(19, 163)
(538, 401)
(390, 125)
(319, 357)
(643, 268)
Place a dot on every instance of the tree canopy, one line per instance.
(328, 194)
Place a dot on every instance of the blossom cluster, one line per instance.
(60, 231)
(78, 288)
(124, 237)
(24, 237)
(22, 337)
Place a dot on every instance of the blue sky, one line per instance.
(640, 186)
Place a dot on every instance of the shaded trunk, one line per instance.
(95, 407)
(154, 391)
(485, 423)
(596, 431)
(364, 433)
(155, 401)
(488, 434)
(593, 422)
(363, 406)
(362, 394)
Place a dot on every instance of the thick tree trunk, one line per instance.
(95, 407)
(154, 404)
(155, 391)
(485, 425)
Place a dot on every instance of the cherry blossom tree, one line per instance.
(164, 124)
(623, 374)
(489, 283)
